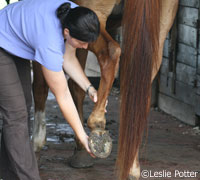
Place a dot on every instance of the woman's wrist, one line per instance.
(82, 135)
(88, 89)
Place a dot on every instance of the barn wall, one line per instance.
(179, 87)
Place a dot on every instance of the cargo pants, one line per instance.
(17, 159)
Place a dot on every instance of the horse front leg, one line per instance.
(40, 93)
(108, 52)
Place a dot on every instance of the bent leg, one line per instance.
(108, 53)
(16, 149)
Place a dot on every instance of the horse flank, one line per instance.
(141, 22)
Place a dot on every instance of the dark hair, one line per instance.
(83, 23)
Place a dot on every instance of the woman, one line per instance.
(36, 30)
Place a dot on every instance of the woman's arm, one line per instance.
(73, 68)
(58, 85)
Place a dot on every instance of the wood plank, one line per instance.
(187, 55)
(183, 92)
(188, 16)
(189, 3)
(154, 92)
(164, 66)
(198, 68)
(187, 35)
(198, 85)
(185, 74)
(197, 105)
(180, 110)
(166, 48)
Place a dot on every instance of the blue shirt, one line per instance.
(31, 30)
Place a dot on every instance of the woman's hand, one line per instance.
(84, 141)
(92, 93)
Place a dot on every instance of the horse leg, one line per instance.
(135, 170)
(108, 52)
(40, 93)
(81, 158)
(169, 10)
(168, 14)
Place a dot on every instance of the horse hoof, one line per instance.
(81, 159)
(100, 143)
(37, 148)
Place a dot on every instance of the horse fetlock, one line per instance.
(39, 139)
(38, 143)
(135, 170)
(96, 121)
(39, 131)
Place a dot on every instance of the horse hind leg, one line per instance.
(135, 170)
(40, 92)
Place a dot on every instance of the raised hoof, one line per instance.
(132, 178)
(100, 143)
(81, 159)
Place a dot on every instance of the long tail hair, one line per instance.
(141, 22)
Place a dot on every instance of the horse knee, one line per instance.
(39, 130)
(114, 50)
(114, 54)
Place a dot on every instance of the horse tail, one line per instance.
(141, 25)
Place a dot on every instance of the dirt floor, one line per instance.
(172, 150)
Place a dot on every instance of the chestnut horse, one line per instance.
(107, 52)
(146, 24)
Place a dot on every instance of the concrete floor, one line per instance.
(172, 149)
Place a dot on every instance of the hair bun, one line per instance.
(63, 10)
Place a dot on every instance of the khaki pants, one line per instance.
(17, 159)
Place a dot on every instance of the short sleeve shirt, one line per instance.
(31, 30)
